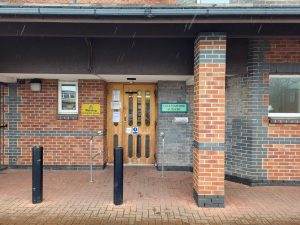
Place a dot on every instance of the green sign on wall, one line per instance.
(173, 107)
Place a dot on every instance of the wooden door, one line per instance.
(136, 130)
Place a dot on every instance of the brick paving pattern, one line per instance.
(69, 198)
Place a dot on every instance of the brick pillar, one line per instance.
(209, 119)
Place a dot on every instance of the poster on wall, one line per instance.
(90, 109)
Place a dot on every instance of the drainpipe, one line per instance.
(162, 135)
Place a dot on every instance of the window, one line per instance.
(284, 96)
(67, 97)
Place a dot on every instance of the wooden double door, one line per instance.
(131, 121)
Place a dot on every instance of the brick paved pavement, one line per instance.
(69, 198)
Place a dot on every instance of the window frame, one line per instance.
(60, 110)
(283, 115)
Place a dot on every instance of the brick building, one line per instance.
(211, 87)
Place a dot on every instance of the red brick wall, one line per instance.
(283, 161)
(283, 50)
(39, 109)
(62, 150)
(284, 130)
(39, 113)
(209, 98)
(209, 114)
(208, 175)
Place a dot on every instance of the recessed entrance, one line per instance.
(131, 121)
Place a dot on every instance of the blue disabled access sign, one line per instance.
(135, 130)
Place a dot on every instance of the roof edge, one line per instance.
(147, 11)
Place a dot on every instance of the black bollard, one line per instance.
(37, 174)
(118, 175)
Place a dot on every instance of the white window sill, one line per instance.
(67, 113)
(284, 115)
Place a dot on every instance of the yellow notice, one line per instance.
(90, 109)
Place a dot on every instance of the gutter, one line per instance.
(150, 11)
